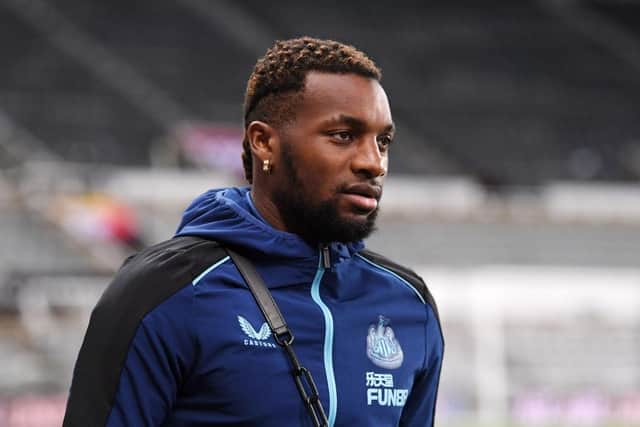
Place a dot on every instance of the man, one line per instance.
(178, 340)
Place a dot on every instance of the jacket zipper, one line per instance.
(324, 263)
(326, 257)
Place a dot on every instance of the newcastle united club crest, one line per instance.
(383, 349)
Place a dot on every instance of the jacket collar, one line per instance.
(228, 216)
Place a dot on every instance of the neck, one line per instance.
(271, 214)
(268, 210)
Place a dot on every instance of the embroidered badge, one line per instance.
(383, 349)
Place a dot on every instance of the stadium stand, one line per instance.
(79, 117)
(195, 63)
(625, 13)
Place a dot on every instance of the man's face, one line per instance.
(329, 170)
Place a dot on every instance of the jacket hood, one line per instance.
(228, 216)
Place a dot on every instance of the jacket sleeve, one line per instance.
(139, 342)
(419, 411)
(141, 388)
(150, 377)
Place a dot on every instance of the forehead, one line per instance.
(330, 94)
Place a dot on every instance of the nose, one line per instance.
(368, 160)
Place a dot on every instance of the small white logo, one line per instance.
(258, 338)
(261, 335)
(383, 349)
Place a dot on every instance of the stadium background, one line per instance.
(513, 190)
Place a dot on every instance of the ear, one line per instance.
(263, 140)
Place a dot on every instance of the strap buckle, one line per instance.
(284, 338)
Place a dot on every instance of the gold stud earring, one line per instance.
(266, 166)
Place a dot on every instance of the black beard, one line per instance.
(315, 222)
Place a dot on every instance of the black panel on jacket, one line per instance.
(143, 282)
(407, 274)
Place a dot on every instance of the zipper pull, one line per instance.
(326, 257)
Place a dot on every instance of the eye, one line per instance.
(342, 136)
(384, 141)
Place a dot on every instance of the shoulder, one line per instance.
(404, 273)
(159, 271)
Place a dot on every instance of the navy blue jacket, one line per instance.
(178, 340)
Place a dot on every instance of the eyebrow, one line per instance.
(354, 122)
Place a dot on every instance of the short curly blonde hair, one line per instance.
(277, 81)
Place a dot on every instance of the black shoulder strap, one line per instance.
(263, 297)
(283, 336)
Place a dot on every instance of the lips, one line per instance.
(363, 197)
(366, 190)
